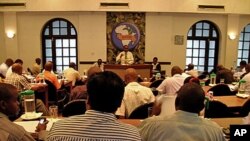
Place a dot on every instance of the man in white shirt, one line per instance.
(9, 71)
(172, 84)
(4, 66)
(135, 94)
(99, 64)
(71, 74)
(125, 57)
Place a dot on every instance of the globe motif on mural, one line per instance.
(125, 34)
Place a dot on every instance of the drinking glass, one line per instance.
(53, 111)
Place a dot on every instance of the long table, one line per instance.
(231, 101)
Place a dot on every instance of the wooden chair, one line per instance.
(141, 112)
(75, 107)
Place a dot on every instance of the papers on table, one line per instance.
(30, 126)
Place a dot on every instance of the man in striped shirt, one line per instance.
(105, 93)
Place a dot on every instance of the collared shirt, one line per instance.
(9, 71)
(171, 85)
(72, 75)
(18, 81)
(181, 126)
(93, 126)
(3, 69)
(10, 131)
(52, 78)
(126, 59)
(100, 66)
(135, 95)
(247, 84)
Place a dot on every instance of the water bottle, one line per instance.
(28, 97)
(242, 86)
(158, 76)
(213, 78)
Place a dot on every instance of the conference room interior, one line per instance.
(205, 33)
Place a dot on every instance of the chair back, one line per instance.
(141, 112)
(156, 83)
(75, 107)
(221, 90)
(52, 91)
(217, 109)
(168, 105)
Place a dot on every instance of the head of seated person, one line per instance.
(48, 66)
(192, 79)
(190, 98)
(130, 75)
(176, 70)
(105, 92)
(17, 68)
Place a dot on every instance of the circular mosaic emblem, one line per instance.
(125, 34)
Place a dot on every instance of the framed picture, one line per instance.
(178, 39)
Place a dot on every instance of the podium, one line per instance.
(144, 70)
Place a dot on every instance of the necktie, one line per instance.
(126, 57)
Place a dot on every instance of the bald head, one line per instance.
(176, 70)
(130, 75)
(190, 98)
(48, 66)
(93, 70)
(17, 68)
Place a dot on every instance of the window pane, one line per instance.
(48, 52)
(239, 54)
(73, 32)
(241, 36)
(48, 59)
(64, 31)
(189, 52)
(202, 44)
(196, 44)
(245, 54)
(212, 44)
(246, 45)
(65, 43)
(55, 24)
(46, 31)
(58, 52)
(211, 53)
(211, 61)
(65, 52)
(63, 24)
(73, 59)
(72, 52)
(199, 25)
(188, 61)
(240, 45)
(55, 31)
(198, 32)
(209, 69)
(205, 33)
(247, 37)
(59, 69)
(202, 53)
(200, 68)
(202, 61)
(189, 43)
(48, 43)
(72, 42)
(59, 60)
(58, 43)
(247, 28)
(195, 61)
(196, 53)
(214, 33)
(205, 26)
(65, 60)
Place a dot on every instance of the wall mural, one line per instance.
(125, 29)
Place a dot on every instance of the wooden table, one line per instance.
(231, 101)
(134, 122)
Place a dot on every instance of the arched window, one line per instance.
(202, 46)
(244, 45)
(59, 43)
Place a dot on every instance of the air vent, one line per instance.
(6, 4)
(221, 7)
(114, 5)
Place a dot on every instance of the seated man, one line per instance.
(9, 106)
(36, 68)
(224, 73)
(191, 71)
(50, 76)
(99, 64)
(185, 123)
(4, 67)
(135, 94)
(21, 83)
(105, 93)
(125, 57)
(172, 84)
(156, 66)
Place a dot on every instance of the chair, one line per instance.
(52, 92)
(245, 108)
(75, 107)
(221, 90)
(217, 109)
(156, 83)
(141, 112)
